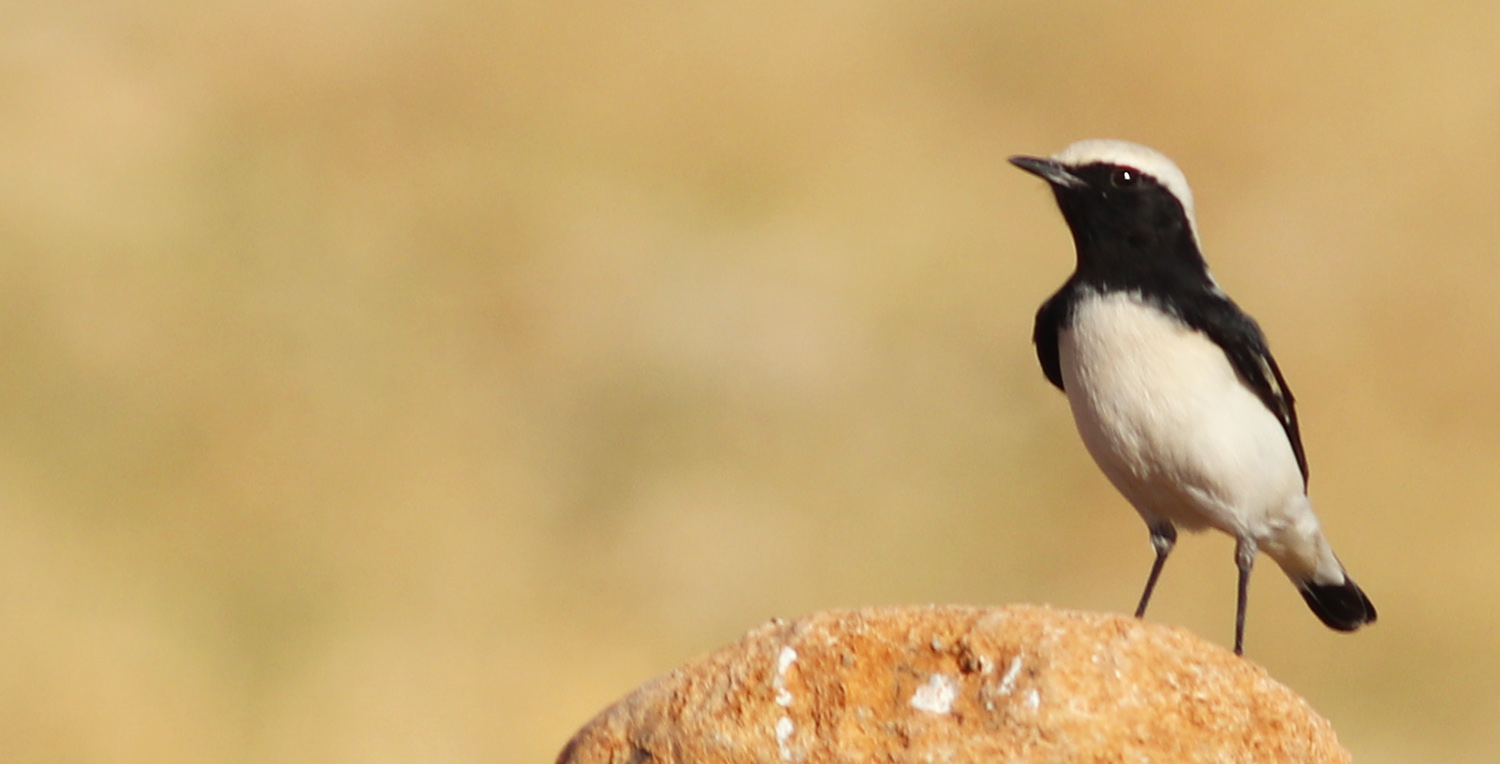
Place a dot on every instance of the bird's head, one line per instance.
(1120, 199)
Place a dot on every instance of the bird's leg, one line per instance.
(1244, 559)
(1163, 537)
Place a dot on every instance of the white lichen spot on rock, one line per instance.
(1008, 682)
(784, 730)
(937, 696)
(784, 661)
(1033, 699)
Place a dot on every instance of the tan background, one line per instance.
(402, 381)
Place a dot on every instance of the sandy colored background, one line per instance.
(402, 381)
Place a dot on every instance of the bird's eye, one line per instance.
(1124, 177)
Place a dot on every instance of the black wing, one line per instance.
(1245, 345)
(1049, 321)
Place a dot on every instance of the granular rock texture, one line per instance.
(960, 684)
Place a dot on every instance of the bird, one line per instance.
(1172, 386)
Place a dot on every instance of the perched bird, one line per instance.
(1172, 386)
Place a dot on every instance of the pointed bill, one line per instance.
(1050, 170)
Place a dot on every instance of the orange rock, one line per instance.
(960, 684)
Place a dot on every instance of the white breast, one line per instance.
(1171, 424)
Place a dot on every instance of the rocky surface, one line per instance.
(960, 684)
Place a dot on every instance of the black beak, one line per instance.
(1049, 170)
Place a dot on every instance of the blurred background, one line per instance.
(405, 381)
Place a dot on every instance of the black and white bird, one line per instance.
(1172, 386)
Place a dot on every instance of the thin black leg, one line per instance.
(1244, 559)
(1163, 537)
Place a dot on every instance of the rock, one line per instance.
(960, 684)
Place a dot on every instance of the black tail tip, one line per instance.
(1342, 607)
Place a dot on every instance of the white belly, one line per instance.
(1171, 424)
